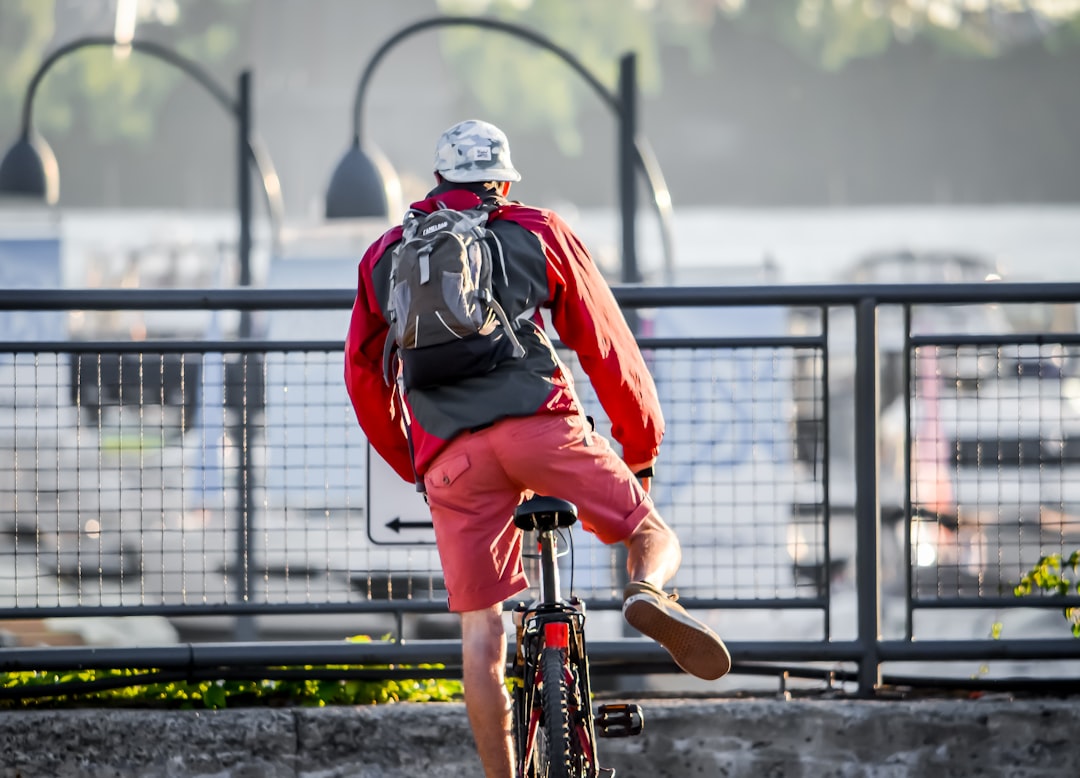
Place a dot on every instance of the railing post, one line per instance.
(627, 166)
(245, 627)
(867, 503)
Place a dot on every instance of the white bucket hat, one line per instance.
(474, 150)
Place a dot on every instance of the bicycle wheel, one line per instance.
(530, 737)
(556, 725)
(525, 755)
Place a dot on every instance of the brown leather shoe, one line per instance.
(694, 647)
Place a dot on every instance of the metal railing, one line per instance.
(217, 475)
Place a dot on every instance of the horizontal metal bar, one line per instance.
(239, 654)
(448, 653)
(414, 606)
(966, 603)
(704, 603)
(194, 347)
(239, 299)
(819, 295)
(202, 346)
(228, 609)
(762, 341)
(333, 346)
(426, 652)
(1011, 339)
(949, 650)
(816, 296)
(438, 606)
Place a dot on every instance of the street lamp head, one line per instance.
(29, 170)
(361, 187)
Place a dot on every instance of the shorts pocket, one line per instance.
(445, 473)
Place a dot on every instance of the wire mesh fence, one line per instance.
(229, 476)
(175, 478)
(995, 463)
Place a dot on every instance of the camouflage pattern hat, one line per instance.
(474, 150)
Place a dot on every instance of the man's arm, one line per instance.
(372, 399)
(589, 321)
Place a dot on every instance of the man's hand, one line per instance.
(644, 473)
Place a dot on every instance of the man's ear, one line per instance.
(504, 188)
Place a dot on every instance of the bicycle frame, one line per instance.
(552, 693)
(553, 623)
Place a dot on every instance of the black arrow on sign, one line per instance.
(397, 525)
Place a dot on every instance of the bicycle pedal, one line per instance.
(605, 772)
(619, 719)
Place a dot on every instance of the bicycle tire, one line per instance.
(529, 761)
(530, 746)
(557, 726)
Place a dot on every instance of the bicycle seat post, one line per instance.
(546, 515)
(550, 587)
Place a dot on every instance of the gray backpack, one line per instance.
(445, 323)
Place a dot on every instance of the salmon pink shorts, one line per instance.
(476, 482)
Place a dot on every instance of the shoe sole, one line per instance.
(694, 647)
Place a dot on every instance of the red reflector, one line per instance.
(557, 635)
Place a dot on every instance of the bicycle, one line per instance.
(555, 730)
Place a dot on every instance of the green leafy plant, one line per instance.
(139, 688)
(307, 686)
(1049, 576)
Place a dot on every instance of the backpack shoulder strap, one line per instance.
(488, 208)
(388, 354)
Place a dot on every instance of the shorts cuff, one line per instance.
(480, 599)
(630, 525)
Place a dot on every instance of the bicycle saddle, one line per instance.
(544, 513)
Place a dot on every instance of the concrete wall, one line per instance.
(683, 739)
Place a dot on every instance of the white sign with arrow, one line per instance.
(396, 512)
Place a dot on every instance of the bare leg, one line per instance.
(483, 648)
(653, 552)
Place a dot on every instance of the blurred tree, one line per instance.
(833, 33)
(513, 79)
(98, 91)
(535, 87)
(26, 27)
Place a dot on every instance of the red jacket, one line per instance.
(549, 268)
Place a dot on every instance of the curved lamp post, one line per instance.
(29, 168)
(358, 187)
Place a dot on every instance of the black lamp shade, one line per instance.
(357, 188)
(29, 170)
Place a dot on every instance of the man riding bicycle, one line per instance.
(481, 444)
